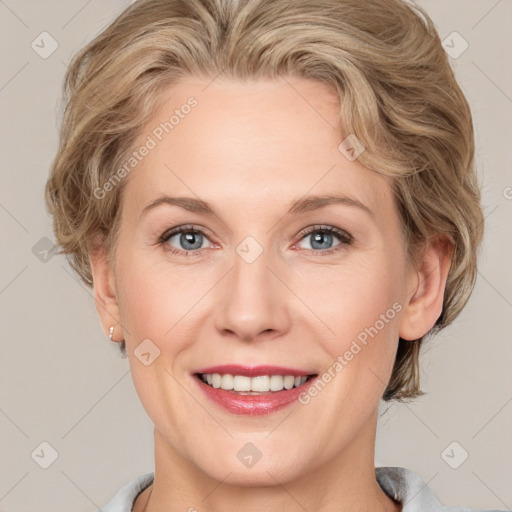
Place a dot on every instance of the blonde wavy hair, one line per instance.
(386, 63)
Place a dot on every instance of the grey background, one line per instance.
(63, 382)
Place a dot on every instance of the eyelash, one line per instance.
(345, 238)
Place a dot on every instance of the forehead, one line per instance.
(249, 144)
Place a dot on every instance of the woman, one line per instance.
(275, 203)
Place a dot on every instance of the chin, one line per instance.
(265, 469)
(268, 475)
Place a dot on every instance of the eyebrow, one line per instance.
(302, 205)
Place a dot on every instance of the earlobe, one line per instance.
(424, 303)
(105, 296)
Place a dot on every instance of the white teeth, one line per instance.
(289, 381)
(258, 384)
(227, 382)
(276, 383)
(216, 379)
(241, 383)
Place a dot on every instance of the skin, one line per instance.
(250, 149)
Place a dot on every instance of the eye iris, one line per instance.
(321, 237)
(189, 238)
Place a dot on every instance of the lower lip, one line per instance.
(253, 405)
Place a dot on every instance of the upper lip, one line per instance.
(253, 371)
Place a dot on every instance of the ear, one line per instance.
(105, 296)
(428, 282)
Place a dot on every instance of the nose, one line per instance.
(252, 301)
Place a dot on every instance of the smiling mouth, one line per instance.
(257, 385)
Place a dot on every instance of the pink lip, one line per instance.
(253, 371)
(252, 405)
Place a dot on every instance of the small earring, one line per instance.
(111, 332)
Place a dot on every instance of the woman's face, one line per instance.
(254, 281)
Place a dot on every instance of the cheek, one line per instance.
(150, 305)
(355, 296)
(362, 307)
(147, 309)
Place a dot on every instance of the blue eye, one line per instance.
(191, 239)
(322, 236)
